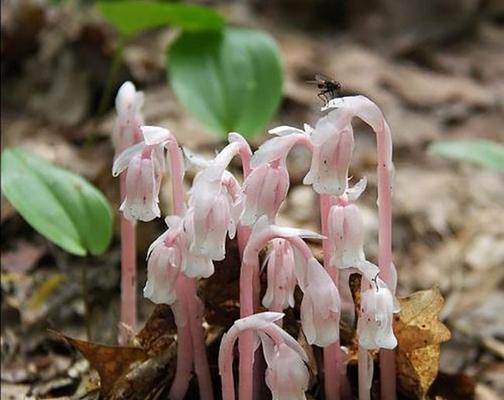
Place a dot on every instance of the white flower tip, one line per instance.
(284, 130)
(235, 137)
(194, 159)
(154, 135)
(356, 190)
(128, 99)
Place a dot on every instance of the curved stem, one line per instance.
(128, 273)
(226, 355)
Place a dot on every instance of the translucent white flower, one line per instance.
(144, 163)
(213, 202)
(212, 219)
(333, 144)
(194, 266)
(265, 190)
(346, 234)
(164, 260)
(287, 375)
(374, 327)
(320, 307)
(281, 276)
(129, 119)
(278, 147)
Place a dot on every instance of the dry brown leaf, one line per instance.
(158, 332)
(419, 333)
(111, 362)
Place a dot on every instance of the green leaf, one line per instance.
(479, 151)
(130, 17)
(230, 81)
(60, 205)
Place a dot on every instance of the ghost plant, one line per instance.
(219, 205)
(126, 133)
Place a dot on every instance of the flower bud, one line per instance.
(265, 190)
(320, 307)
(346, 234)
(143, 182)
(281, 276)
(129, 119)
(286, 376)
(374, 326)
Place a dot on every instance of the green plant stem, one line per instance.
(112, 76)
(85, 297)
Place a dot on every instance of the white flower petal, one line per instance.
(154, 135)
(122, 160)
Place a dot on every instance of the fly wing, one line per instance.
(322, 78)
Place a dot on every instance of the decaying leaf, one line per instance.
(419, 333)
(111, 362)
(159, 330)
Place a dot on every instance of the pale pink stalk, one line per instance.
(332, 353)
(366, 110)
(191, 340)
(365, 367)
(126, 132)
(128, 275)
(185, 350)
(287, 375)
(262, 233)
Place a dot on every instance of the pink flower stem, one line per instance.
(191, 336)
(332, 353)
(183, 370)
(128, 274)
(226, 357)
(384, 170)
(250, 265)
(250, 374)
(364, 378)
(246, 342)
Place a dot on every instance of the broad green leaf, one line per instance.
(479, 151)
(60, 205)
(230, 81)
(130, 17)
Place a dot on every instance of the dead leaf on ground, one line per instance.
(419, 333)
(111, 362)
(159, 330)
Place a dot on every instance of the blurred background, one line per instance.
(436, 68)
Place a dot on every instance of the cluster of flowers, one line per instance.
(219, 206)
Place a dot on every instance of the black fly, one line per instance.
(328, 88)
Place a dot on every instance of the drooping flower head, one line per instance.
(281, 268)
(212, 201)
(346, 231)
(320, 307)
(374, 327)
(144, 163)
(287, 375)
(264, 191)
(333, 144)
(164, 262)
(127, 126)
